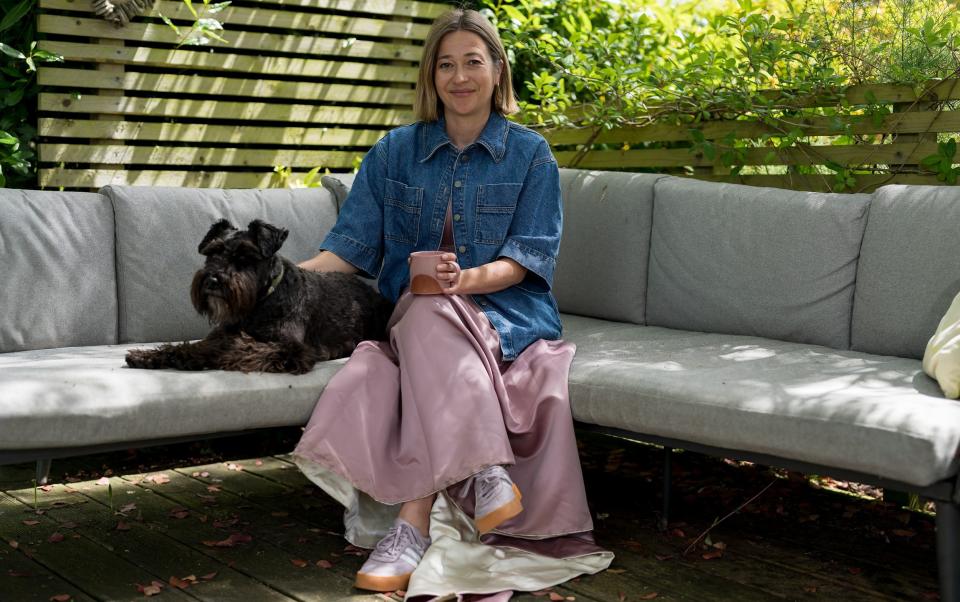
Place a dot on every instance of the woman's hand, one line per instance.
(484, 279)
(448, 271)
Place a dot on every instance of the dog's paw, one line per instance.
(141, 358)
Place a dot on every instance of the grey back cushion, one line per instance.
(602, 267)
(339, 185)
(159, 229)
(56, 255)
(909, 268)
(755, 261)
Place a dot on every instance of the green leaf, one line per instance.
(311, 176)
(513, 13)
(930, 161)
(170, 24)
(193, 11)
(219, 6)
(8, 138)
(10, 51)
(16, 13)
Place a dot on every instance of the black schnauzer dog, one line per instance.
(269, 315)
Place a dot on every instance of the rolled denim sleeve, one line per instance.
(357, 237)
(533, 239)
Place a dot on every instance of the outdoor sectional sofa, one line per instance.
(770, 325)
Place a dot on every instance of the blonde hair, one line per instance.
(427, 105)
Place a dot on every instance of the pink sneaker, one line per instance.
(393, 560)
(498, 498)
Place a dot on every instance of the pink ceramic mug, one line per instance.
(423, 273)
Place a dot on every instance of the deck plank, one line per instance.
(91, 567)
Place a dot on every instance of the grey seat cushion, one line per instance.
(158, 230)
(59, 284)
(73, 397)
(909, 268)
(755, 261)
(602, 267)
(878, 415)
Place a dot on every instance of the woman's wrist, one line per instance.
(488, 278)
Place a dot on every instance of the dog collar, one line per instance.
(276, 281)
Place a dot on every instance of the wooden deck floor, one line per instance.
(237, 521)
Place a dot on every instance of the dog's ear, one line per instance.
(267, 237)
(215, 232)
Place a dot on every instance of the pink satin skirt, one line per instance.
(436, 404)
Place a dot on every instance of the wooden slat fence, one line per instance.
(301, 84)
(910, 118)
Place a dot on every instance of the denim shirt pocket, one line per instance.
(496, 204)
(401, 212)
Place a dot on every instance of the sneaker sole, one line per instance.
(378, 583)
(494, 519)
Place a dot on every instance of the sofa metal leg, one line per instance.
(43, 471)
(667, 478)
(948, 550)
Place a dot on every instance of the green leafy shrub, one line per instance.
(18, 92)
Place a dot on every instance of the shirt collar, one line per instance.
(433, 135)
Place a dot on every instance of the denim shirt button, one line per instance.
(462, 249)
(457, 184)
(456, 217)
(465, 159)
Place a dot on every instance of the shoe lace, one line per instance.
(394, 542)
(487, 481)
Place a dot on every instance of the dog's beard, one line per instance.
(236, 300)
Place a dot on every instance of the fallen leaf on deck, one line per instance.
(236, 467)
(31, 523)
(122, 526)
(662, 557)
(616, 571)
(61, 598)
(299, 562)
(712, 554)
(810, 589)
(46, 488)
(178, 583)
(158, 479)
(214, 488)
(13, 573)
(259, 462)
(13, 544)
(128, 508)
(621, 596)
(324, 564)
(354, 550)
(150, 590)
(103, 481)
(904, 532)
(677, 533)
(649, 596)
(209, 576)
(179, 513)
(55, 538)
(230, 541)
(555, 597)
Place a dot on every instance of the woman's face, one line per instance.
(465, 75)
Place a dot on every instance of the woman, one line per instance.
(468, 398)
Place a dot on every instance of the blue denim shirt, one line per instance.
(505, 190)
